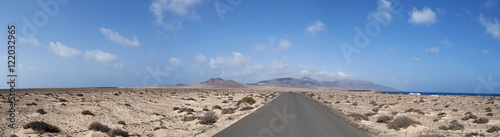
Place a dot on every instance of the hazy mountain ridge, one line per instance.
(307, 82)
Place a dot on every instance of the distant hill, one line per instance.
(307, 82)
(221, 83)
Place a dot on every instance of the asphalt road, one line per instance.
(291, 115)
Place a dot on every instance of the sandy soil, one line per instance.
(145, 111)
(431, 111)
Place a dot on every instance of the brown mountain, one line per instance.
(221, 83)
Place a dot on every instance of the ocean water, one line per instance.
(444, 93)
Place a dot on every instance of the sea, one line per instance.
(444, 93)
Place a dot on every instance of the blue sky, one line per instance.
(409, 45)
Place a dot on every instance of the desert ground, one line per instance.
(172, 111)
(141, 111)
(433, 115)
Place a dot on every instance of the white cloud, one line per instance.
(200, 58)
(117, 38)
(251, 69)
(31, 41)
(304, 72)
(415, 59)
(62, 50)
(30, 68)
(176, 62)
(441, 11)
(484, 51)
(395, 80)
(490, 4)
(100, 56)
(279, 66)
(433, 49)
(492, 27)
(383, 12)
(236, 60)
(103, 57)
(260, 47)
(315, 27)
(284, 45)
(391, 48)
(321, 74)
(446, 42)
(332, 74)
(425, 16)
(178, 8)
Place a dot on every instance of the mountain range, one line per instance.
(305, 82)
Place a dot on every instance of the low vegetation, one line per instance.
(384, 119)
(358, 117)
(248, 100)
(228, 111)
(41, 111)
(493, 129)
(188, 118)
(118, 132)
(455, 125)
(42, 126)
(209, 118)
(216, 107)
(96, 126)
(246, 108)
(87, 112)
(401, 122)
(481, 120)
(474, 135)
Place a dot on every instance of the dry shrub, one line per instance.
(118, 132)
(96, 126)
(481, 120)
(248, 100)
(87, 112)
(246, 108)
(493, 129)
(209, 118)
(384, 119)
(42, 126)
(401, 122)
(358, 117)
(228, 111)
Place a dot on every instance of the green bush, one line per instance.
(401, 122)
(96, 126)
(42, 126)
(209, 118)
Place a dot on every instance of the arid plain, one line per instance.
(180, 111)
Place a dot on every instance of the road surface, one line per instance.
(291, 115)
